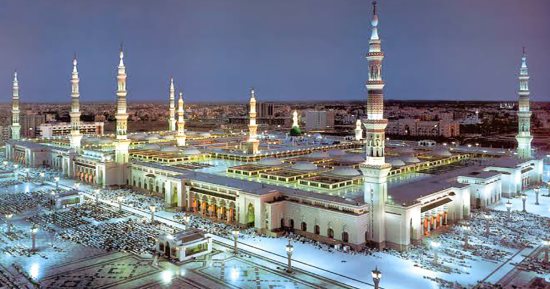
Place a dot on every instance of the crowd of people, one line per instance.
(132, 199)
(19, 202)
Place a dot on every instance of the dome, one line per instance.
(304, 166)
(168, 149)
(317, 136)
(442, 152)
(191, 151)
(270, 162)
(336, 153)
(411, 159)
(151, 147)
(204, 134)
(346, 172)
(318, 155)
(295, 131)
(137, 136)
(395, 162)
(353, 158)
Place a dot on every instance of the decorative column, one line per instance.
(75, 137)
(524, 137)
(253, 142)
(172, 107)
(122, 142)
(15, 126)
(180, 136)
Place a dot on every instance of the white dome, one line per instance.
(168, 149)
(151, 147)
(304, 166)
(346, 172)
(270, 162)
(318, 136)
(411, 159)
(204, 134)
(353, 158)
(318, 155)
(395, 162)
(335, 153)
(442, 152)
(191, 151)
(137, 136)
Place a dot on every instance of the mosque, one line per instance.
(365, 191)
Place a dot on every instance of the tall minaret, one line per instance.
(358, 130)
(15, 126)
(375, 169)
(295, 119)
(524, 137)
(75, 136)
(253, 143)
(122, 142)
(172, 108)
(180, 136)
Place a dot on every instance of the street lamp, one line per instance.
(97, 196)
(523, 199)
(376, 276)
(487, 225)
(466, 229)
(508, 206)
(153, 209)
(5, 163)
(27, 170)
(235, 237)
(186, 220)
(34, 229)
(77, 186)
(435, 246)
(546, 243)
(8, 219)
(119, 199)
(42, 175)
(289, 250)
(56, 179)
(537, 191)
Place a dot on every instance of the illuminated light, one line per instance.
(167, 276)
(34, 270)
(235, 274)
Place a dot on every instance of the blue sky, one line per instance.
(286, 49)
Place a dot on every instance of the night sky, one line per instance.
(286, 49)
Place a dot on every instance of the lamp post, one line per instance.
(376, 276)
(508, 206)
(546, 243)
(8, 222)
(77, 186)
(153, 209)
(487, 225)
(42, 175)
(523, 199)
(34, 229)
(466, 229)
(435, 246)
(27, 171)
(5, 163)
(537, 191)
(119, 199)
(235, 237)
(56, 179)
(289, 250)
(97, 196)
(186, 220)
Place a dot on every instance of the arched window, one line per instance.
(291, 225)
(304, 227)
(317, 230)
(330, 233)
(282, 223)
(345, 237)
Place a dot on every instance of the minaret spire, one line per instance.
(253, 143)
(121, 116)
(75, 137)
(172, 106)
(375, 169)
(180, 136)
(524, 137)
(15, 126)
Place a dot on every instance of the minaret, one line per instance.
(75, 136)
(375, 169)
(253, 143)
(122, 142)
(524, 137)
(358, 130)
(295, 119)
(180, 136)
(172, 108)
(15, 126)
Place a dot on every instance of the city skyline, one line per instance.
(316, 54)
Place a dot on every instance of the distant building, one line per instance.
(319, 120)
(30, 121)
(64, 128)
(416, 127)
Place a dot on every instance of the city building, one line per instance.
(55, 129)
(319, 120)
(417, 127)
